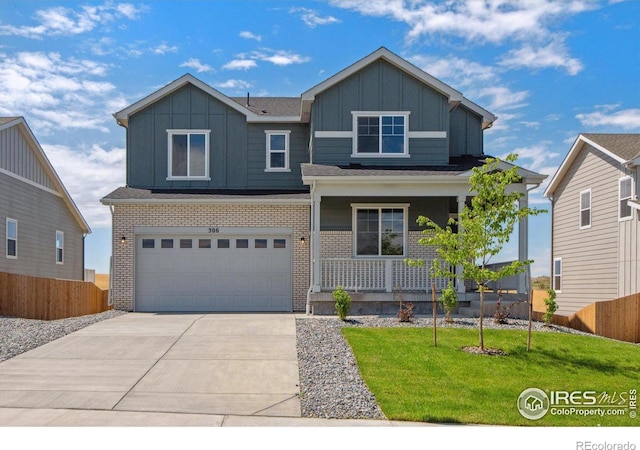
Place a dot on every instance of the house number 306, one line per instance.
(214, 230)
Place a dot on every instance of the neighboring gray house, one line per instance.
(267, 204)
(595, 231)
(42, 229)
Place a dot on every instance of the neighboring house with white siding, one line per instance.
(42, 230)
(595, 243)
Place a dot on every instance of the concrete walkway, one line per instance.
(185, 369)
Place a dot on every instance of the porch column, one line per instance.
(315, 240)
(459, 280)
(523, 244)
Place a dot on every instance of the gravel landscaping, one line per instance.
(330, 383)
(21, 335)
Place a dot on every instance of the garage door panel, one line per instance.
(252, 274)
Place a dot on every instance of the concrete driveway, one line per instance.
(221, 364)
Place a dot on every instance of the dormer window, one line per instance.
(380, 134)
(188, 154)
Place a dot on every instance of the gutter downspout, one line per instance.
(311, 246)
(110, 295)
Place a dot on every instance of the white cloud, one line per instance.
(194, 63)
(280, 57)
(55, 93)
(163, 49)
(312, 18)
(89, 174)
(62, 21)
(625, 119)
(234, 84)
(502, 98)
(555, 54)
(250, 35)
(240, 64)
(457, 71)
(481, 22)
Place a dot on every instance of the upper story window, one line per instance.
(12, 238)
(59, 247)
(625, 185)
(188, 154)
(585, 209)
(277, 150)
(380, 133)
(380, 230)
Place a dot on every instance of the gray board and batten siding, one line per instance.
(589, 256)
(237, 149)
(393, 90)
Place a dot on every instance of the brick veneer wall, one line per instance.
(126, 217)
(339, 244)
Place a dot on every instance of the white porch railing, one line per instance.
(376, 275)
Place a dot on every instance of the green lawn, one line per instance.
(412, 380)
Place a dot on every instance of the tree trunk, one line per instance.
(481, 314)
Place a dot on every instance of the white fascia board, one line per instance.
(195, 201)
(386, 180)
(122, 117)
(571, 156)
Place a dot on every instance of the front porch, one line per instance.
(376, 286)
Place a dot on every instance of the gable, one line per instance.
(22, 158)
(582, 141)
(19, 157)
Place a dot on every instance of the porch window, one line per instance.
(625, 193)
(188, 154)
(380, 134)
(380, 231)
(585, 209)
(277, 151)
(557, 274)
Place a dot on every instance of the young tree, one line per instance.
(483, 229)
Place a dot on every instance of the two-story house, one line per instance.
(42, 229)
(595, 231)
(267, 204)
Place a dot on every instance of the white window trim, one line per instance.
(354, 131)
(620, 199)
(590, 208)
(204, 177)
(6, 243)
(354, 227)
(286, 167)
(61, 233)
(561, 275)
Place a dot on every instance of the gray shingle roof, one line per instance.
(133, 194)
(272, 106)
(626, 146)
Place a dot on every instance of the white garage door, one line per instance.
(226, 273)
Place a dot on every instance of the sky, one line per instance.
(548, 69)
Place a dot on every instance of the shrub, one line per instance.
(343, 302)
(406, 312)
(449, 300)
(552, 306)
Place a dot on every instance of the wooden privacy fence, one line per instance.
(617, 319)
(49, 298)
